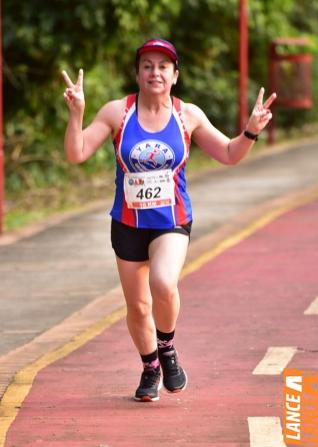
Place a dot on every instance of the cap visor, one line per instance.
(159, 49)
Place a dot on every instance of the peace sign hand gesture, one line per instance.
(74, 94)
(261, 113)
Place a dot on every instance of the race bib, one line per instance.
(149, 189)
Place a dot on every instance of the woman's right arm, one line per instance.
(80, 144)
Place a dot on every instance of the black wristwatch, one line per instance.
(250, 135)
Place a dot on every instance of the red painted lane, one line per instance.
(249, 298)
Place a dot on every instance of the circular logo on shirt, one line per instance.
(151, 154)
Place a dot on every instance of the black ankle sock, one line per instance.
(151, 360)
(165, 341)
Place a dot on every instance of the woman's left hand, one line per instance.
(261, 113)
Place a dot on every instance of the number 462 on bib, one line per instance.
(150, 189)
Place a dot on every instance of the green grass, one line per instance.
(32, 207)
(20, 218)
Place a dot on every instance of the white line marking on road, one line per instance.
(275, 360)
(312, 309)
(265, 432)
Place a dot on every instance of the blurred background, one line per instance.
(101, 36)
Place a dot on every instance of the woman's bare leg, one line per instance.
(134, 277)
(167, 255)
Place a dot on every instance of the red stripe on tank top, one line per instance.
(180, 208)
(180, 211)
(186, 137)
(177, 105)
(128, 215)
(130, 101)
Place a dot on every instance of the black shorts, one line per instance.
(131, 244)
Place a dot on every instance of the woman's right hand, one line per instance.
(74, 94)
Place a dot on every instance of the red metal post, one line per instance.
(272, 88)
(243, 66)
(1, 135)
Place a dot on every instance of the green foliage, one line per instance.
(101, 36)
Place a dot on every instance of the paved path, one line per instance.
(236, 306)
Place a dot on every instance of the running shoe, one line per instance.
(150, 384)
(174, 377)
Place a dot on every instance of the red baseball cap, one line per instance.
(161, 45)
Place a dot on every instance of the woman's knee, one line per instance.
(163, 287)
(139, 310)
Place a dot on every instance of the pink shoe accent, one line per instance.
(154, 364)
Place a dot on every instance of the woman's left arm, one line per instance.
(222, 148)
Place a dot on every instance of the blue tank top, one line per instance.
(138, 150)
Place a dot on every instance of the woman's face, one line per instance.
(156, 73)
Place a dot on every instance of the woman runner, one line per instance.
(151, 216)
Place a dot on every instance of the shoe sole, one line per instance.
(147, 398)
(178, 390)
